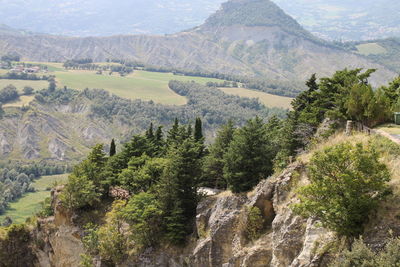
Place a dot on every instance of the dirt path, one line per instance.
(389, 136)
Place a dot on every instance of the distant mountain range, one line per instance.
(329, 19)
(245, 37)
(346, 19)
(104, 17)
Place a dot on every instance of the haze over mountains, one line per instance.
(346, 20)
(329, 19)
(245, 37)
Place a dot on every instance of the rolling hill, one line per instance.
(245, 37)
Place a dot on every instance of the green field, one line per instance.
(139, 85)
(20, 84)
(370, 49)
(29, 204)
(265, 98)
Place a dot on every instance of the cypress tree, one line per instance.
(198, 130)
(113, 149)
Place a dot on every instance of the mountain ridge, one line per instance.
(284, 51)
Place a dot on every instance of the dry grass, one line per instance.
(390, 128)
(265, 98)
(336, 139)
(23, 100)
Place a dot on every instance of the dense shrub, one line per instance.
(347, 183)
(255, 223)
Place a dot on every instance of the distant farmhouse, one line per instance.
(23, 69)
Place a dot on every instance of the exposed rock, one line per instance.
(57, 148)
(220, 240)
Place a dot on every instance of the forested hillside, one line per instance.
(61, 124)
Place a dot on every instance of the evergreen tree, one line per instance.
(150, 132)
(393, 90)
(198, 130)
(159, 135)
(189, 131)
(92, 168)
(113, 150)
(173, 132)
(213, 175)
(177, 134)
(178, 189)
(307, 97)
(248, 159)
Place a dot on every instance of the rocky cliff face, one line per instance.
(220, 239)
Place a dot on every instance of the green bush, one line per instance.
(361, 255)
(15, 249)
(78, 193)
(255, 223)
(347, 183)
(86, 261)
(144, 215)
(46, 209)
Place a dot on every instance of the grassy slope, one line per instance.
(265, 98)
(26, 206)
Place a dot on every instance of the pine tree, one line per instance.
(248, 159)
(173, 132)
(113, 149)
(150, 132)
(159, 134)
(92, 168)
(178, 189)
(213, 175)
(307, 97)
(198, 130)
(177, 134)
(189, 131)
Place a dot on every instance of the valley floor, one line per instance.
(30, 203)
